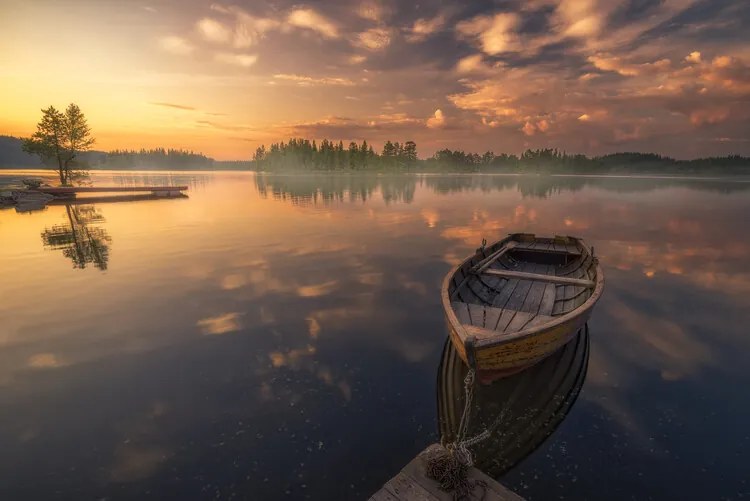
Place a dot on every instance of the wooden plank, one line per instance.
(404, 486)
(519, 295)
(519, 321)
(505, 319)
(486, 263)
(462, 312)
(541, 277)
(534, 298)
(548, 300)
(476, 312)
(550, 248)
(67, 190)
(423, 486)
(383, 495)
(495, 284)
(491, 316)
(480, 286)
(502, 299)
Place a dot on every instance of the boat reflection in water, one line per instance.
(522, 410)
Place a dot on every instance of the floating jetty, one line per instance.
(37, 196)
(72, 191)
(413, 484)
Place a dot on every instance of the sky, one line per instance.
(584, 76)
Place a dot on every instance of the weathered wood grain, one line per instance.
(542, 278)
(524, 304)
(412, 484)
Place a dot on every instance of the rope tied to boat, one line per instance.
(449, 465)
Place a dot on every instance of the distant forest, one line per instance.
(158, 158)
(12, 156)
(306, 155)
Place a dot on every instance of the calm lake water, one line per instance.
(280, 337)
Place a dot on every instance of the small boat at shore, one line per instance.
(515, 302)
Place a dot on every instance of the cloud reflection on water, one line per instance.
(326, 288)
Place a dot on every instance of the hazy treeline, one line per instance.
(554, 161)
(13, 156)
(306, 154)
(157, 158)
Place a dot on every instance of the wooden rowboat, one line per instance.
(515, 302)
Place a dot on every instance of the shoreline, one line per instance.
(743, 178)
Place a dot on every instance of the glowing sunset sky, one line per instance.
(671, 76)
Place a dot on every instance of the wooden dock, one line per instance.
(412, 484)
(72, 191)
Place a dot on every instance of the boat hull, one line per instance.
(513, 356)
(503, 336)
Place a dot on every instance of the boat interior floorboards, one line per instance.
(511, 303)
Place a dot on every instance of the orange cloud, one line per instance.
(437, 120)
(494, 34)
(307, 18)
(423, 28)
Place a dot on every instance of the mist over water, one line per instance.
(280, 336)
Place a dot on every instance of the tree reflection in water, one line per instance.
(80, 240)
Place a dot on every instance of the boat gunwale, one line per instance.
(494, 338)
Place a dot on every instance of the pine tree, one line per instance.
(61, 137)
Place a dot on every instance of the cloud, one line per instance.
(306, 81)
(722, 62)
(489, 98)
(213, 30)
(317, 290)
(374, 39)
(220, 324)
(529, 128)
(176, 45)
(44, 361)
(173, 105)
(423, 28)
(437, 120)
(618, 65)
(307, 18)
(588, 76)
(494, 34)
(243, 60)
(470, 64)
(709, 116)
(694, 57)
(580, 18)
(248, 29)
(372, 10)
(614, 64)
(229, 127)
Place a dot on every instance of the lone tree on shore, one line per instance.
(59, 138)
